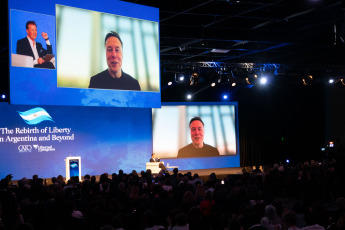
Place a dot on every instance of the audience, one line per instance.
(304, 196)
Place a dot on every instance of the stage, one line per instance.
(203, 173)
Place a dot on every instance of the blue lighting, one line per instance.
(3, 96)
(225, 96)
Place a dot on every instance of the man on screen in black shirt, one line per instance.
(114, 77)
(197, 148)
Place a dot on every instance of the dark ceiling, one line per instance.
(293, 37)
(299, 35)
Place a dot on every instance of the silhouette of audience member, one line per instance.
(207, 204)
(271, 220)
(181, 222)
(150, 222)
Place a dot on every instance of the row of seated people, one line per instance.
(304, 196)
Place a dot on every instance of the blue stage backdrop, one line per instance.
(37, 139)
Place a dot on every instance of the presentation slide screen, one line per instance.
(84, 53)
(38, 139)
(210, 141)
(74, 168)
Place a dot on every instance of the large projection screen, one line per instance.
(171, 133)
(76, 32)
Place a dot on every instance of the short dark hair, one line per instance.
(112, 34)
(196, 119)
(30, 23)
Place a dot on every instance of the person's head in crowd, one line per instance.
(171, 216)
(234, 224)
(196, 127)
(24, 226)
(185, 179)
(35, 177)
(87, 177)
(181, 219)
(188, 197)
(149, 219)
(289, 219)
(341, 204)
(208, 196)
(107, 227)
(175, 171)
(117, 222)
(134, 173)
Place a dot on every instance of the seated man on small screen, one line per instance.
(197, 148)
(114, 77)
(29, 47)
(155, 158)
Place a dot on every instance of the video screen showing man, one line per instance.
(197, 148)
(114, 77)
(29, 47)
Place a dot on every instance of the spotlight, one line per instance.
(189, 96)
(3, 96)
(331, 81)
(225, 96)
(233, 84)
(263, 80)
(179, 77)
(169, 83)
(213, 84)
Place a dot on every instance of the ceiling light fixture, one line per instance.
(222, 51)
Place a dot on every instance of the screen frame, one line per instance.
(224, 161)
(31, 86)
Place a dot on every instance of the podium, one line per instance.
(73, 167)
(153, 166)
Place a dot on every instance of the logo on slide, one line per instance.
(35, 116)
(40, 148)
